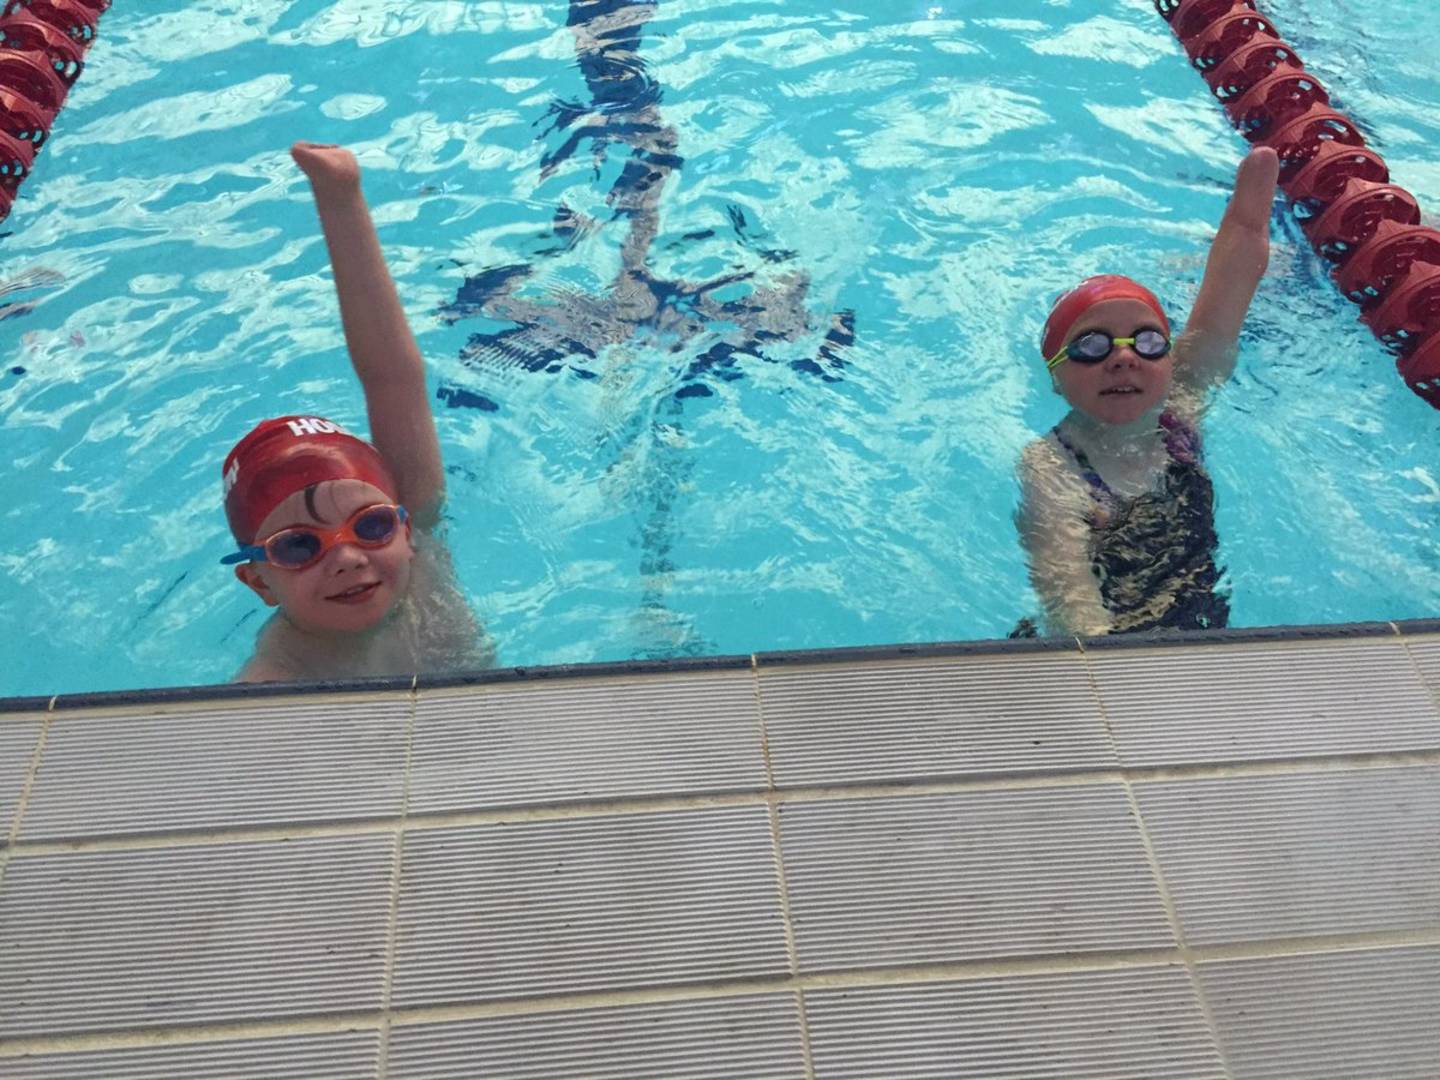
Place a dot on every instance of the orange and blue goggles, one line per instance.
(301, 546)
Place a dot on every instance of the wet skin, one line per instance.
(1124, 387)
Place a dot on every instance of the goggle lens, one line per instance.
(1090, 348)
(1151, 344)
(293, 548)
(376, 526)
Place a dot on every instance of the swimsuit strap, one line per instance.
(1097, 483)
(1182, 441)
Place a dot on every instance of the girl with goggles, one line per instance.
(1117, 509)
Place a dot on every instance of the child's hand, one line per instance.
(1254, 191)
(329, 168)
(1205, 353)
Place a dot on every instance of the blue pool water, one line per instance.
(907, 186)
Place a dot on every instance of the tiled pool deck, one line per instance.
(1220, 859)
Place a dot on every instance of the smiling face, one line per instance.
(351, 588)
(1124, 386)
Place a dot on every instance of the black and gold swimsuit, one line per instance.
(1154, 554)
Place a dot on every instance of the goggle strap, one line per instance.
(245, 554)
(254, 553)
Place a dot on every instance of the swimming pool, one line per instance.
(907, 185)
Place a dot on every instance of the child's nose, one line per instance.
(1123, 356)
(348, 557)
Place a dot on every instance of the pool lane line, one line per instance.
(1366, 227)
(42, 53)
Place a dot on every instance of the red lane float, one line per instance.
(1384, 260)
(42, 53)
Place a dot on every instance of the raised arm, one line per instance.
(1055, 535)
(382, 347)
(1205, 352)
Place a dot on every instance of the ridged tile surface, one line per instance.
(347, 1056)
(1274, 857)
(211, 768)
(930, 721)
(1238, 703)
(1142, 1023)
(1426, 652)
(101, 941)
(502, 911)
(1338, 1016)
(983, 874)
(17, 748)
(584, 740)
(745, 1038)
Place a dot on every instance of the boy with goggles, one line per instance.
(335, 532)
(1117, 510)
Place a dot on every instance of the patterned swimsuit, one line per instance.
(1154, 554)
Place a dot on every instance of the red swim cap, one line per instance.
(286, 455)
(1092, 291)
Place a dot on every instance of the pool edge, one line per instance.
(759, 660)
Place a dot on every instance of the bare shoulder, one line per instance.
(262, 669)
(1040, 457)
(268, 664)
(453, 637)
(1188, 403)
(1049, 478)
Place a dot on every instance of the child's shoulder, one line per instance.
(1052, 487)
(1042, 452)
(1046, 465)
(449, 636)
(1187, 406)
(269, 662)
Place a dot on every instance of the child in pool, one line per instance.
(1117, 511)
(337, 533)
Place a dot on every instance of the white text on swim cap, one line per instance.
(313, 425)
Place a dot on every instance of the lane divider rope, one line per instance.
(42, 52)
(1367, 228)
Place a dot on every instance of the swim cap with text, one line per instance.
(288, 454)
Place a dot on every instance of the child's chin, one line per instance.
(348, 619)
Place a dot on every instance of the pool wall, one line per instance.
(1216, 858)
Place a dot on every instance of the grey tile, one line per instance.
(1290, 856)
(743, 1038)
(1426, 651)
(916, 721)
(1329, 1016)
(1137, 1023)
(580, 740)
(1265, 702)
(503, 911)
(103, 941)
(187, 768)
(17, 748)
(929, 879)
(346, 1056)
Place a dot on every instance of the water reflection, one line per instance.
(568, 330)
(711, 328)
